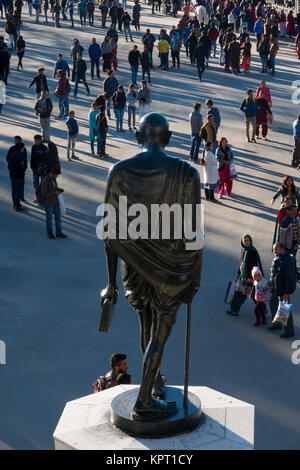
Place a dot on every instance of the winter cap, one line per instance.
(255, 270)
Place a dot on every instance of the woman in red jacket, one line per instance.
(291, 24)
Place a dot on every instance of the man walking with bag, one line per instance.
(283, 280)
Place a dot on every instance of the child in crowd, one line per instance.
(261, 286)
(72, 134)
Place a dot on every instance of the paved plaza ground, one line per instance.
(49, 289)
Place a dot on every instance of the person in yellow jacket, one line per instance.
(163, 47)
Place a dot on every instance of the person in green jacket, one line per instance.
(249, 258)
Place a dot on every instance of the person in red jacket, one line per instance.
(62, 92)
(213, 35)
(263, 109)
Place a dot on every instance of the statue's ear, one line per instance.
(138, 136)
(168, 137)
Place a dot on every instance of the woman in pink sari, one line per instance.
(266, 90)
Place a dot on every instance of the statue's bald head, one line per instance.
(153, 130)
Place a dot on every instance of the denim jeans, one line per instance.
(134, 72)
(37, 179)
(272, 61)
(101, 143)
(63, 105)
(71, 145)
(71, 17)
(146, 71)
(131, 114)
(213, 46)
(196, 142)
(164, 57)
(127, 32)
(264, 59)
(50, 211)
(82, 19)
(16, 191)
(119, 113)
(95, 62)
(83, 80)
(57, 18)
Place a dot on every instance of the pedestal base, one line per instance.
(226, 423)
(184, 420)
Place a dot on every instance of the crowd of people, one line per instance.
(206, 30)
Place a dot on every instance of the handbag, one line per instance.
(230, 292)
(233, 172)
(62, 204)
(283, 312)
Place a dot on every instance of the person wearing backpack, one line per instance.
(175, 51)
(43, 109)
(62, 92)
(49, 198)
(119, 365)
(249, 108)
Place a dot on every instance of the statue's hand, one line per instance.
(110, 292)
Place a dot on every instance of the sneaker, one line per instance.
(232, 313)
(220, 196)
(20, 209)
(287, 335)
(254, 141)
(275, 326)
(248, 140)
(51, 236)
(264, 138)
(61, 235)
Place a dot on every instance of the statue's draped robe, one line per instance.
(161, 266)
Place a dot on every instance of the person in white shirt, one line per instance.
(210, 171)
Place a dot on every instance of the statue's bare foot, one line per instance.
(159, 387)
(157, 409)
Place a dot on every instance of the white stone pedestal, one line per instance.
(226, 423)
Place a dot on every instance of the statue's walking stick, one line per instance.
(187, 354)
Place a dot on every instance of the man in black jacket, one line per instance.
(113, 13)
(12, 149)
(38, 154)
(40, 82)
(204, 39)
(74, 50)
(80, 69)
(17, 166)
(134, 60)
(199, 56)
(283, 279)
